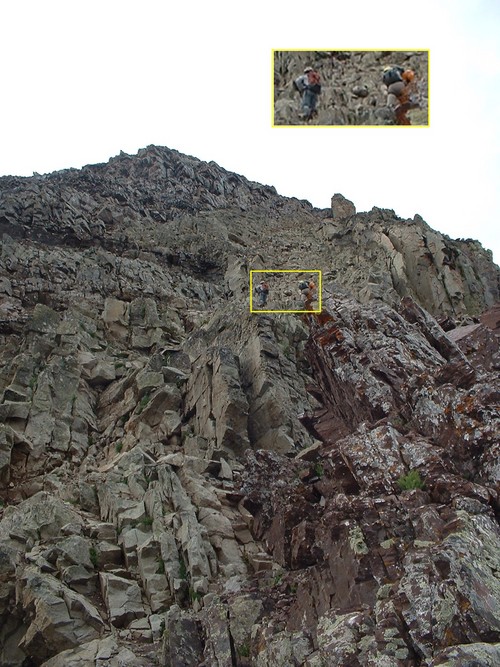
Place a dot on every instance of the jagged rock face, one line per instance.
(378, 256)
(373, 574)
(117, 230)
(352, 89)
(185, 482)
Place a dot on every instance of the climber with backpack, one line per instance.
(307, 289)
(400, 84)
(263, 291)
(309, 86)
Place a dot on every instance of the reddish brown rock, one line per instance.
(479, 344)
(491, 319)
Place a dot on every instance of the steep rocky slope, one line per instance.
(352, 89)
(185, 483)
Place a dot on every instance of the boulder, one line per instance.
(59, 618)
(182, 644)
(123, 599)
(342, 208)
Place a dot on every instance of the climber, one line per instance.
(309, 86)
(262, 290)
(400, 86)
(307, 289)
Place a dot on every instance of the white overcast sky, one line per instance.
(83, 80)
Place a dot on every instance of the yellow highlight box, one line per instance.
(272, 271)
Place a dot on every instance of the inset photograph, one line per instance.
(338, 88)
(285, 291)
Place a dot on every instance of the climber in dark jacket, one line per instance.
(262, 290)
(308, 85)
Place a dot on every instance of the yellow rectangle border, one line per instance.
(318, 271)
(273, 51)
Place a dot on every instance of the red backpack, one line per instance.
(313, 80)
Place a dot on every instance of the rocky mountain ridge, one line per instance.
(187, 483)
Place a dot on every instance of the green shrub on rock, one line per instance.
(411, 481)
